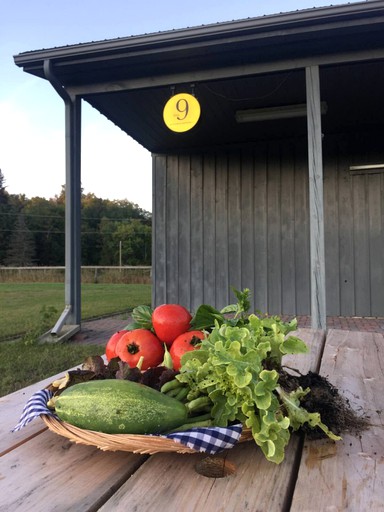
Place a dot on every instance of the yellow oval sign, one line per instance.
(181, 112)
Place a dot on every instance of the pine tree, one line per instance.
(4, 218)
(3, 192)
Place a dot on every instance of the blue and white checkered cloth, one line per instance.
(209, 440)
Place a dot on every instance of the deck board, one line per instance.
(255, 481)
(11, 407)
(52, 473)
(348, 475)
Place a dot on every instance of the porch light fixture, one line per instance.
(366, 169)
(272, 113)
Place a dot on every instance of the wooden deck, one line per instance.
(41, 471)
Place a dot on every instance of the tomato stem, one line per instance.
(133, 348)
(194, 341)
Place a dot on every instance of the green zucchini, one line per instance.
(119, 407)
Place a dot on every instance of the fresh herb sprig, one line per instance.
(142, 318)
(207, 316)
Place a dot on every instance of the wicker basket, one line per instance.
(143, 444)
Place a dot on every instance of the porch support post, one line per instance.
(73, 209)
(316, 200)
(72, 312)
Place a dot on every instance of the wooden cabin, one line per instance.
(278, 187)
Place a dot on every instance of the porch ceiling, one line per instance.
(233, 66)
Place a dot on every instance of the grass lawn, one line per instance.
(22, 365)
(33, 309)
(21, 304)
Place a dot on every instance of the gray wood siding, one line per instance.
(354, 226)
(240, 218)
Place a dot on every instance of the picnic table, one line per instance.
(42, 471)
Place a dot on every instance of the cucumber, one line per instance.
(119, 407)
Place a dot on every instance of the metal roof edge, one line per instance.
(215, 30)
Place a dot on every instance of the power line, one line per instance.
(83, 219)
(63, 232)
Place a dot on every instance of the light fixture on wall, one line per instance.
(366, 169)
(272, 113)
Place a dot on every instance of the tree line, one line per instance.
(32, 231)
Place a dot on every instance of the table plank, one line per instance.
(348, 475)
(51, 473)
(315, 340)
(11, 407)
(176, 486)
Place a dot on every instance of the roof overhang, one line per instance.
(247, 64)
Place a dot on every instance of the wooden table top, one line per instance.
(41, 471)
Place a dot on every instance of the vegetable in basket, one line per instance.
(238, 369)
(235, 375)
(116, 406)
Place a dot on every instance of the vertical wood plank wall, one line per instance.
(354, 226)
(239, 218)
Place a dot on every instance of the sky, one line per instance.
(32, 141)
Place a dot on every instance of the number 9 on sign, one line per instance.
(181, 112)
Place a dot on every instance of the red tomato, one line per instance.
(137, 343)
(182, 344)
(110, 349)
(169, 321)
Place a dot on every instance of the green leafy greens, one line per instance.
(236, 367)
(142, 318)
(206, 316)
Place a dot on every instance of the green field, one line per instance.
(22, 365)
(21, 304)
